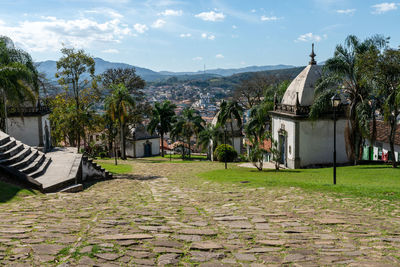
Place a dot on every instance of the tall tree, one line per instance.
(118, 106)
(18, 78)
(256, 130)
(162, 119)
(342, 73)
(73, 69)
(188, 124)
(210, 135)
(383, 68)
(230, 111)
(250, 92)
(134, 83)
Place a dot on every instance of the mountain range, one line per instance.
(49, 67)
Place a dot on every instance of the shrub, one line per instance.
(227, 151)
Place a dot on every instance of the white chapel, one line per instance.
(304, 142)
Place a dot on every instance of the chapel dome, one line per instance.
(303, 85)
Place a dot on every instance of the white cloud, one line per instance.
(111, 51)
(49, 33)
(253, 11)
(211, 16)
(185, 35)
(234, 27)
(158, 23)
(346, 11)
(219, 56)
(272, 18)
(384, 7)
(140, 28)
(310, 37)
(208, 36)
(197, 58)
(106, 12)
(171, 12)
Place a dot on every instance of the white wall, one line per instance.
(26, 130)
(316, 142)
(290, 128)
(155, 147)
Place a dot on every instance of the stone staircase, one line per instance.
(61, 170)
(18, 158)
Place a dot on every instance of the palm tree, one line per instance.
(18, 77)
(256, 130)
(210, 135)
(343, 73)
(118, 106)
(162, 118)
(187, 125)
(230, 111)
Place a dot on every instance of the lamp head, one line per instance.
(336, 100)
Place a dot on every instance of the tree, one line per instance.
(342, 73)
(118, 106)
(211, 134)
(256, 131)
(162, 119)
(188, 124)
(383, 69)
(71, 68)
(18, 78)
(250, 92)
(230, 111)
(134, 83)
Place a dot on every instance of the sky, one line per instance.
(176, 35)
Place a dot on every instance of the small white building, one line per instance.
(303, 142)
(141, 143)
(30, 125)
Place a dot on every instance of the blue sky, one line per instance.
(179, 35)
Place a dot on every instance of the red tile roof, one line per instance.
(383, 132)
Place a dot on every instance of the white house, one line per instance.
(30, 125)
(303, 142)
(142, 144)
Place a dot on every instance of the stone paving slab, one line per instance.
(191, 222)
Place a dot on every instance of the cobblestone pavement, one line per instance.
(183, 220)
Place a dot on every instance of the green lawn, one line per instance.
(116, 169)
(373, 181)
(10, 192)
(178, 156)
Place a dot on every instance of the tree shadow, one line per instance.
(9, 189)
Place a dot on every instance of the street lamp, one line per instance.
(335, 104)
(225, 157)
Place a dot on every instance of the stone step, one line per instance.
(26, 161)
(4, 138)
(7, 146)
(72, 189)
(16, 155)
(33, 166)
(12, 152)
(42, 168)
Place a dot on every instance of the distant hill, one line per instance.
(229, 72)
(49, 68)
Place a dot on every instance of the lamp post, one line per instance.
(335, 104)
(225, 157)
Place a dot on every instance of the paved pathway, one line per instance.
(167, 221)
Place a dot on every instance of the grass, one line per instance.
(10, 192)
(376, 181)
(116, 169)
